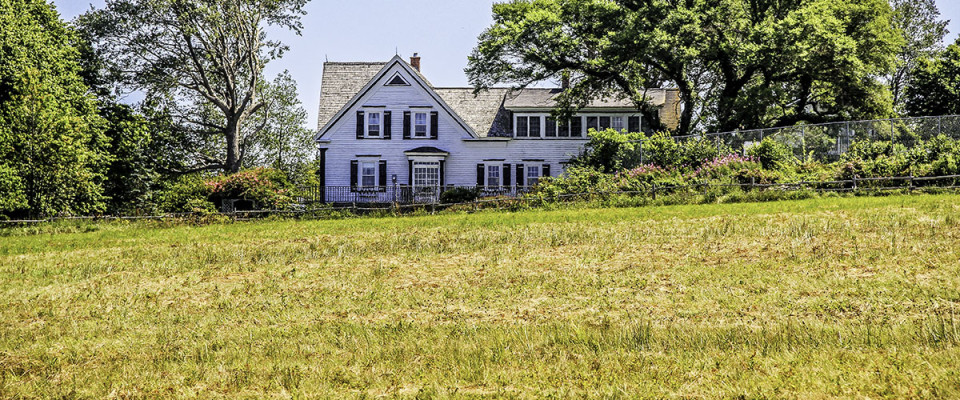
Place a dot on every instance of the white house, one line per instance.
(383, 126)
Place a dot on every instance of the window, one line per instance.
(493, 175)
(604, 123)
(426, 173)
(533, 174)
(528, 125)
(522, 130)
(576, 127)
(420, 124)
(564, 129)
(534, 126)
(373, 123)
(551, 128)
(617, 124)
(368, 174)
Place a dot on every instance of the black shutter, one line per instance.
(442, 181)
(480, 171)
(410, 173)
(406, 124)
(633, 124)
(546, 170)
(353, 175)
(387, 123)
(434, 128)
(360, 124)
(506, 175)
(383, 175)
(520, 181)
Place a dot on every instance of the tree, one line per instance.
(736, 63)
(52, 149)
(200, 60)
(922, 31)
(934, 86)
(280, 138)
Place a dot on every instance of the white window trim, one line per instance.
(486, 174)
(526, 172)
(376, 172)
(413, 125)
(583, 124)
(366, 124)
(543, 124)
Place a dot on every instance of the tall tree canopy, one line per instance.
(281, 139)
(919, 23)
(934, 86)
(736, 63)
(52, 147)
(201, 61)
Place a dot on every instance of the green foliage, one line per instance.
(772, 154)
(204, 61)
(934, 86)
(665, 151)
(52, 147)
(269, 188)
(188, 193)
(610, 150)
(765, 64)
(459, 195)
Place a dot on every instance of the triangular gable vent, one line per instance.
(397, 80)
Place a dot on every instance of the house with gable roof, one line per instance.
(383, 126)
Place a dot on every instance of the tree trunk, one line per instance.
(232, 134)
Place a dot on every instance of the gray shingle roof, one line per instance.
(486, 112)
(543, 98)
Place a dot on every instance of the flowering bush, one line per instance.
(267, 187)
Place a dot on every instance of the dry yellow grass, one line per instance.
(820, 298)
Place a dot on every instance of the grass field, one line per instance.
(819, 298)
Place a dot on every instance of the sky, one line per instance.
(443, 32)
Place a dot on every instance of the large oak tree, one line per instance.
(736, 63)
(201, 61)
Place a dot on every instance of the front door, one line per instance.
(426, 181)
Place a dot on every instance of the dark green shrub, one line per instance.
(186, 194)
(459, 195)
(772, 154)
(267, 187)
(610, 151)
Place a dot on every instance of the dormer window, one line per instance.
(374, 122)
(528, 125)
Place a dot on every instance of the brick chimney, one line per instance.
(565, 80)
(415, 61)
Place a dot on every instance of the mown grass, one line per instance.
(817, 298)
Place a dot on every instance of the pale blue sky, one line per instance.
(442, 31)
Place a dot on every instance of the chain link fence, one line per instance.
(827, 142)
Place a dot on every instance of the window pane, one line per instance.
(534, 126)
(368, 174)
(576, 127)
(493, 175)
(564, 130)
(604, 123)
(521, 126)
(551, 128)
(533, 174)
(420, 124)
(373, 124)
(617, 123)
(593, 122)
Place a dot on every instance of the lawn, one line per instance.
(819, 298)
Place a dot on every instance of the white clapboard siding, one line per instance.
(465, 150)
